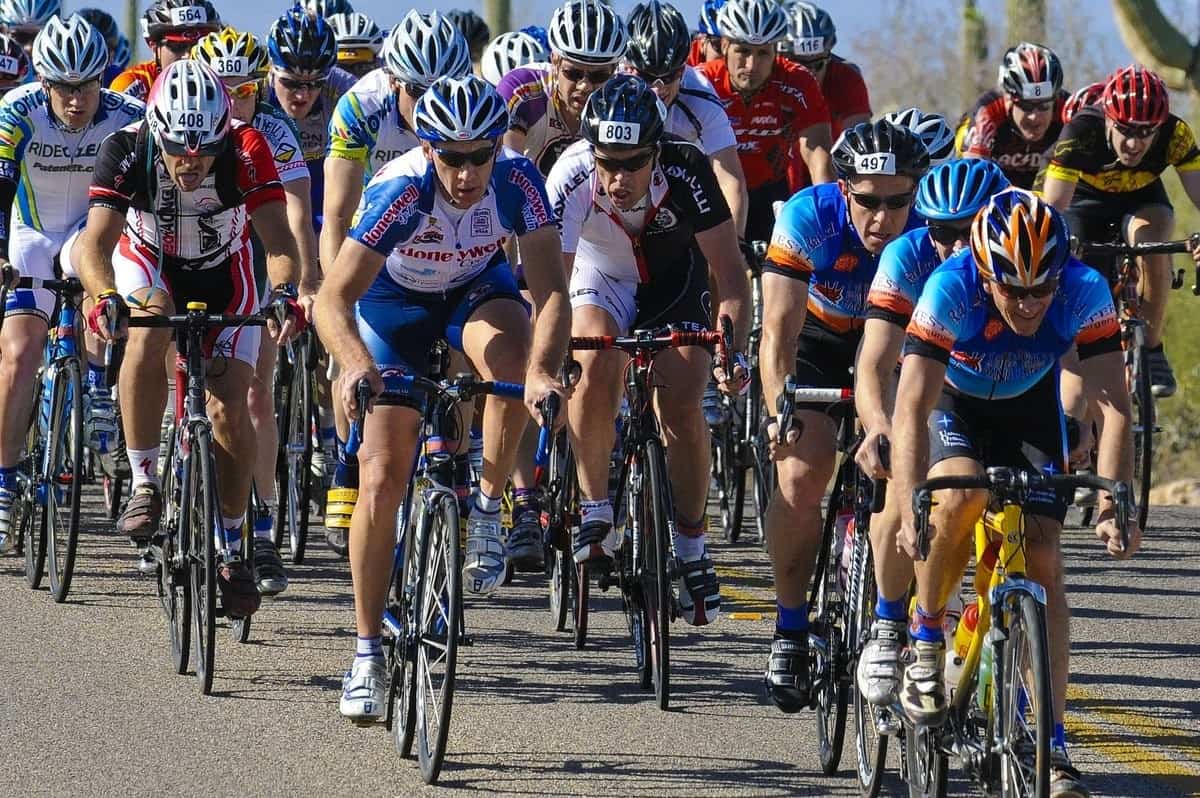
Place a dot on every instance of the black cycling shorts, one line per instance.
(825, 358)
(1100, 216)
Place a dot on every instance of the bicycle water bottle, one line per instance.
(983, 690)
(962, 644)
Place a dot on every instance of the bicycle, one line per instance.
(298, 416)
(1000, 721)
(1133, 341)
(645, 565)
(423, 621)
(183, 553)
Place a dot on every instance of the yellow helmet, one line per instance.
(232, 54)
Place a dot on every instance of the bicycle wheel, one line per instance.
(870, 747)
(406, 588)
(1143, 430)
(203, 522)
(33, 494)
(580, 588)
(241, 626)
(926, 767)
(1022, 712)
(831, 679)
(174, 593)
(722, 454)
(559, 563)
(62, 468)
(656, 570)
(439, 622)
(763, 473)
(300, 452)
(282, 399)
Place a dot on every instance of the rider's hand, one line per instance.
(349, 389)
(539, 385)
(868, 456)
(906, 540)
(736, 383)
(285, 305)
(308, 300)
(788, 448)
(11, 272)
(1196, 250)
(1081, 455)
(1110, 536)
(109, 319)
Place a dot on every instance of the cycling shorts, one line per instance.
(680, 297)
(824, 358)
(1100, 216)
(1027, 431)
(226, 288)
(33, 253)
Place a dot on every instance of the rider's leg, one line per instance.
(22, 342)
(1153, 223)
(260, 403)
(233, 432)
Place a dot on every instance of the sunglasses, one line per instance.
(457, 160)
(948, 235)
(291, 84)
(1035, 106)
(1136, 131)
(813, 64)
(1015, 292)
(178, 48)
(243, 91)
(665, 78)
(72, 89)
(595, 77)
(872, 202)
(630, 164)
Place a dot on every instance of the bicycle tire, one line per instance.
(202, 523)
(558, 546)
(870, 747)
(174, 587)
(927, 768)
(300, 447)
(62, 472)
(281, 399)
(559, 578)
(764, 487)
(1026, 623)
(439, 619)
(114, 490)
(241, 626)
(406, 589)
(1143, 431)
(656, 570)
(580, 588)
(721, 455)
(831, 687)
(34, 539)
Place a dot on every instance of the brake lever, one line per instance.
(785, 404)
(922, 505)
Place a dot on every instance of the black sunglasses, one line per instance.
(1136, 131)
(72, 89)
(872, 202)
(1016, 292)
(291, 84)
(630, 164)
(595, 77)
(1035, 106)
(178, 48)
(812, 65)
(456, 160)
(666, 78)
(947, 235)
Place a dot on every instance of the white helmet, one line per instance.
(28, 13)
(587, 31)
(425, 47)
(188, 111)
(460, 109)
(356, 30)
(934, 132)
(753, 21)
(69, 52)
(509, 51)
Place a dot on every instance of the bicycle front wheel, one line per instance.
(62, 473)
(30, 525)
(831, 682)
(926, 767)
(1143, 431)
(870, 747)
(174, 587)
(203, 522)
(1023, 714)
(656, 569)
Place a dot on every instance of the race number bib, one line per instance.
(233, 66)
(619, 132)
(815, 46)
(9, 65)
(191, 120)
(876, 163)
(1039, 91)
(188, 15)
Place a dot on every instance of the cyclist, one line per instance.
(1014, 124)
(14, 65)
(948, 197)
(933, 130)
(371, 125)
(359, 41)
(122, 54)
(327, 8)
(171, 205)
(391, 294)
(474, 30)
(706, 44)
(50, 132)
(170, 28)
(103, 22)
(1105, 174)
(241, 63)
(509, 51)
(657, 52)
(979, 386)
(809, 43)
(821, 260)
(773, 104)
(643, 222)
(22, 20)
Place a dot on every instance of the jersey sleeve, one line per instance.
(350, 136)
(811, 108)
(134, 81)
(704, 201)
(1099, 329)
(985, 122)
(892, 296)
(14, 134)
(257, 177)
(936, 323)
(388, 214)
(284, 140)
(1070, 156)
(525, 96)
(716, 131)
(569, 188)
(1182, 152)
(793, 245)
(115, 178)
(526, 191)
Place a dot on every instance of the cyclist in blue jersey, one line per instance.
(425, 261)
(948, 198)
(822, 257)
(14, 65)
(979, 387)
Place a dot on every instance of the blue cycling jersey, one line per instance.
(904, 266)
(814, 241)
(956, 322)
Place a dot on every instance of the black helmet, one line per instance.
(101, 21)
(473, 28)
(880, 148)
(623, 113)
(659, 38)
(184, 20)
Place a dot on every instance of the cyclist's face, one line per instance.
(1130, 149)
(243, 99)
(1024, 315)
(298, 100)
(1031, 119)
(665, 85)
(750, 65)
(575, 82)
(407, 95)
(170, 52)
(879, 225)
(186, 171)
(710, 48)
(462, 180)
(74, 104)
(626, 186)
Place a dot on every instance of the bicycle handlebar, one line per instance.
(184, 320)
(68, 286)
(1185, 245)
(792, 395)
(646, 341)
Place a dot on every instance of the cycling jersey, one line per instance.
(367, 125)
(137, 80)
(988, 132)
(814, 241)
(698, 116)
(533, 109)
(433, 247)
(768, 126)
(1082, 155)
(904, 266)
(956, 322)
(845, 93)
(282, 137)
(193, 230)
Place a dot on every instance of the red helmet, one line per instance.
(1090, 94)
(1134, 95)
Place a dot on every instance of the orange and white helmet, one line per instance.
(1019, 239)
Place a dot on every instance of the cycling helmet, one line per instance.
(879, 148)
(472, 27)
(122, 54)
(232, 54)
(1134, 95)
(587, 32)
(301, 43)
(1090, 94)
(935, 133)
(69, 52)
(539, 33)
(753, 22)
(1019, 239)
(28, 13)
(811, 33)
(623, 113)
(327, 8)
(958, 189)
(101, 21)
(1031, 72)
(708, 17)
(179, 21)
(14, 64)
(507, 52)
(460, 109)
(425, 47)
(659, 40)
(355, 33)
(188, 111)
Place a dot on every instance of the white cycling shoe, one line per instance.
(364, 691)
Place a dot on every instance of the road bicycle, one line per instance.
(298, 416)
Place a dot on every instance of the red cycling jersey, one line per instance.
(846, 94)
(767, 128)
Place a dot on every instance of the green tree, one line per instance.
(1026, 21)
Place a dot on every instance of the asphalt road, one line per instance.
(89, 705)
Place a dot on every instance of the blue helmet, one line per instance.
(539, 33)
(708, 17)
(460, 109)
(958, 189)
(302, 43)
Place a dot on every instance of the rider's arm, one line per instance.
(1191, 185)
(1058, 192)
(725, 263)
(343, 188)
(728, 168)
(299, 213)
(873, 381)
(785, 303)
(815, 145)
(542, 256)
(96, 244)
(8, 190)
(813, 121)
(349, 278)
(514, 139)
(1104, 380)
(115, 180)
(920, 385)
(270, 220)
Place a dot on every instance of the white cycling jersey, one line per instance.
(280, 132)
(533, 109)
(698, 116)
(367, 125)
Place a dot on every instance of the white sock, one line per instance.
(144, 463)
(487, 504)
(596, 511)
(689, 548)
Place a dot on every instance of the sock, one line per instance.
(345, 475)
(595, 511)
(144, 463)
(8, 477)
(263, 525)
(1059, 740)
(462, 482)
(233, 532)
(487, 504)
(95, 376)
(927, 627)
(525, 499)
(368, 648)
(689, 539)
(791, 622)
(891, 610)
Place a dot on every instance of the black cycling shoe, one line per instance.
(525, 549)
(1162, 376)
(269, 572)
(786, 678)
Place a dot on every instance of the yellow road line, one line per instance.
(743, 598)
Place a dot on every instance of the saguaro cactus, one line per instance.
(1026, 21)
(1157, 43)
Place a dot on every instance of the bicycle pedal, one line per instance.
(466, 640)
(887, 723)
